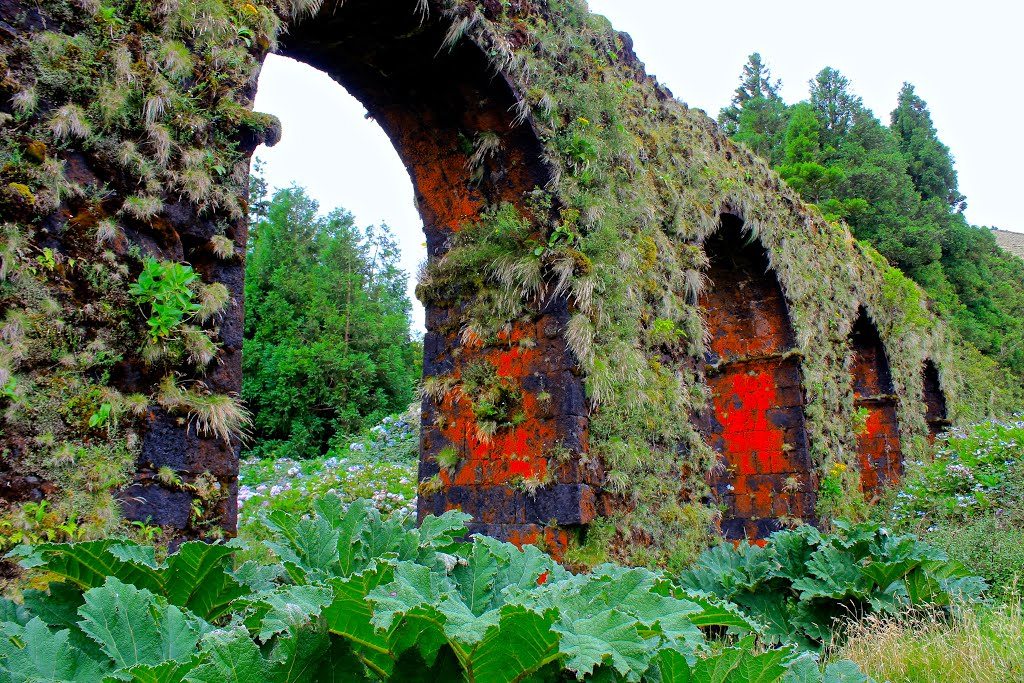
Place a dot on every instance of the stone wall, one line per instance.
(572, 208)
(878, 440)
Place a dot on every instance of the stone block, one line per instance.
(562, 503)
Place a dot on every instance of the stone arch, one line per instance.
(934, 400)
(451, 116)
(878, 439)
(756, 423)
(144, 153)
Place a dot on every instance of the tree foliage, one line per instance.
(328, 348)
(896, 187)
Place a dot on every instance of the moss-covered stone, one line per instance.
(567, 198)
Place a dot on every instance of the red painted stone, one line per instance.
(757, 421)
(878, 445)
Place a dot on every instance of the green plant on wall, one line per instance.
(167, 288)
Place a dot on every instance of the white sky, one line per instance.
(958, 55)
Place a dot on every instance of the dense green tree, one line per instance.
(327, 334)
(929, 162)
(896, 187)
(803, 164)
(835, 104)
(756, 116)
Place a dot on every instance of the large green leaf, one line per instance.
(349, 614)
(772, 610)
(198, 576)
(521, 643)
(340, 665)
(34, 654)
(132, 627)
(230, 656)
(607, 636)
(278, 610)
(13, 612)
(168, 672)
(306, 546)
(832, 573)
(715, 612)
(883, 574)
(414, 586)
(57, 606)
(87, 564)
(740, 665)
(298, 650)
(793, 550)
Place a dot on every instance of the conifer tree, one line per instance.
(836, 105)
(757, 114)
(929, 162)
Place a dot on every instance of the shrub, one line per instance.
(354, 596)
(166, 287)
(803, 582)
(990, 546)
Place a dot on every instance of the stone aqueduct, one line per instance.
(774, 341)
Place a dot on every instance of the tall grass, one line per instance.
(973, 644)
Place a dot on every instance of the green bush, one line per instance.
(354, 596)
(803, 582)
(990, 546)
(328, 349)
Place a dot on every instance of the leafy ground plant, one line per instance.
(803, 582)
(971, 473)
(353, 596)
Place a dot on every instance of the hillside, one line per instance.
(1012, 242)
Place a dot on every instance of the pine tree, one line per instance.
(756, 81)
(929, 162)
(836, 105)
(802, 165)
(757, 115)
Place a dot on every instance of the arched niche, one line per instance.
(756, 420)
(934, 400)
(878, 435)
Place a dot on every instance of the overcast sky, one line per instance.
(957, 54)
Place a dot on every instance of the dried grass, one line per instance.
(972, 644)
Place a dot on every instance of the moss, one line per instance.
(36, 150)
(22, 192)
(590, 547)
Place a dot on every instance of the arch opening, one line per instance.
(756, 422)
(934, 400)
(874, 396)
(453, 123)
